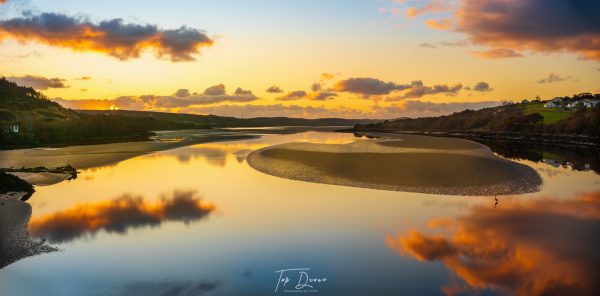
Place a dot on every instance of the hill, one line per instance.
(570, 117)
(28, 118)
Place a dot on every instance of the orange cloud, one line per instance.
(112, 37)
(118, 215)
(180, 99)
(433, 6)
(543, 246)
(445, 24)
(498, 53)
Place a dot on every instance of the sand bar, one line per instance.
(404, 163)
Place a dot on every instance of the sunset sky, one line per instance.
(312, 58)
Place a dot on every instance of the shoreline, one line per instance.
(562, 140)
(89, 156)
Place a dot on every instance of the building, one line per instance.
(586, 103)
(551, 104)
(590, 103)
(14, 128)
(525, 101)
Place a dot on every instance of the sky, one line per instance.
(312, 58)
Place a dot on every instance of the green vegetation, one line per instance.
(525, 118)
(550, 115)
(43, 122)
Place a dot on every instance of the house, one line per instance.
(14, 128)
(551, 104)
(586, 103)
(590, 103)
(554, 103)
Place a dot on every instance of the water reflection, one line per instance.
(529, 247)
(118, 215)
(576, 158)
(266, 224)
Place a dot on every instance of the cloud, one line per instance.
(38, 82)
(182, 93)
(417, 89)
(427, 45)
(153, 102)
(321, 96)
(551, 78)
(416, 108)
(118, 216)
(564, 26)
(375, 88)
(315, 86)
(180, 99)
(408, 108)
(240, 91)
(84, 78)
(482, 87)
(443, 24)
(498, 53)
(429, 7)
(294, 95)
(457, 43)
(274, 89)
(327, 76)
(216, 90)
(277, 110)
(525, 247)
(367, 86)
(112, 37)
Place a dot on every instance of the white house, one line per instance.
(590, 104)
(587, 103)
(14, 128)
(551, 104)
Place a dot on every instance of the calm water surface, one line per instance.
(199, 221)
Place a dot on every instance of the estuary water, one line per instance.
(198, 220)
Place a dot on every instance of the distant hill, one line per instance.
(41, 121)
(570, 117)
(158, 119)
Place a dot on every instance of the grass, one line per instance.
(551, 115)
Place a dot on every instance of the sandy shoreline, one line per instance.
(16, 242)
(404, 163)
(88, 156)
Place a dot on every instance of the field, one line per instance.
(551, 115)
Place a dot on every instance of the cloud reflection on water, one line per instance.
(526, 247)
(118, 215)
